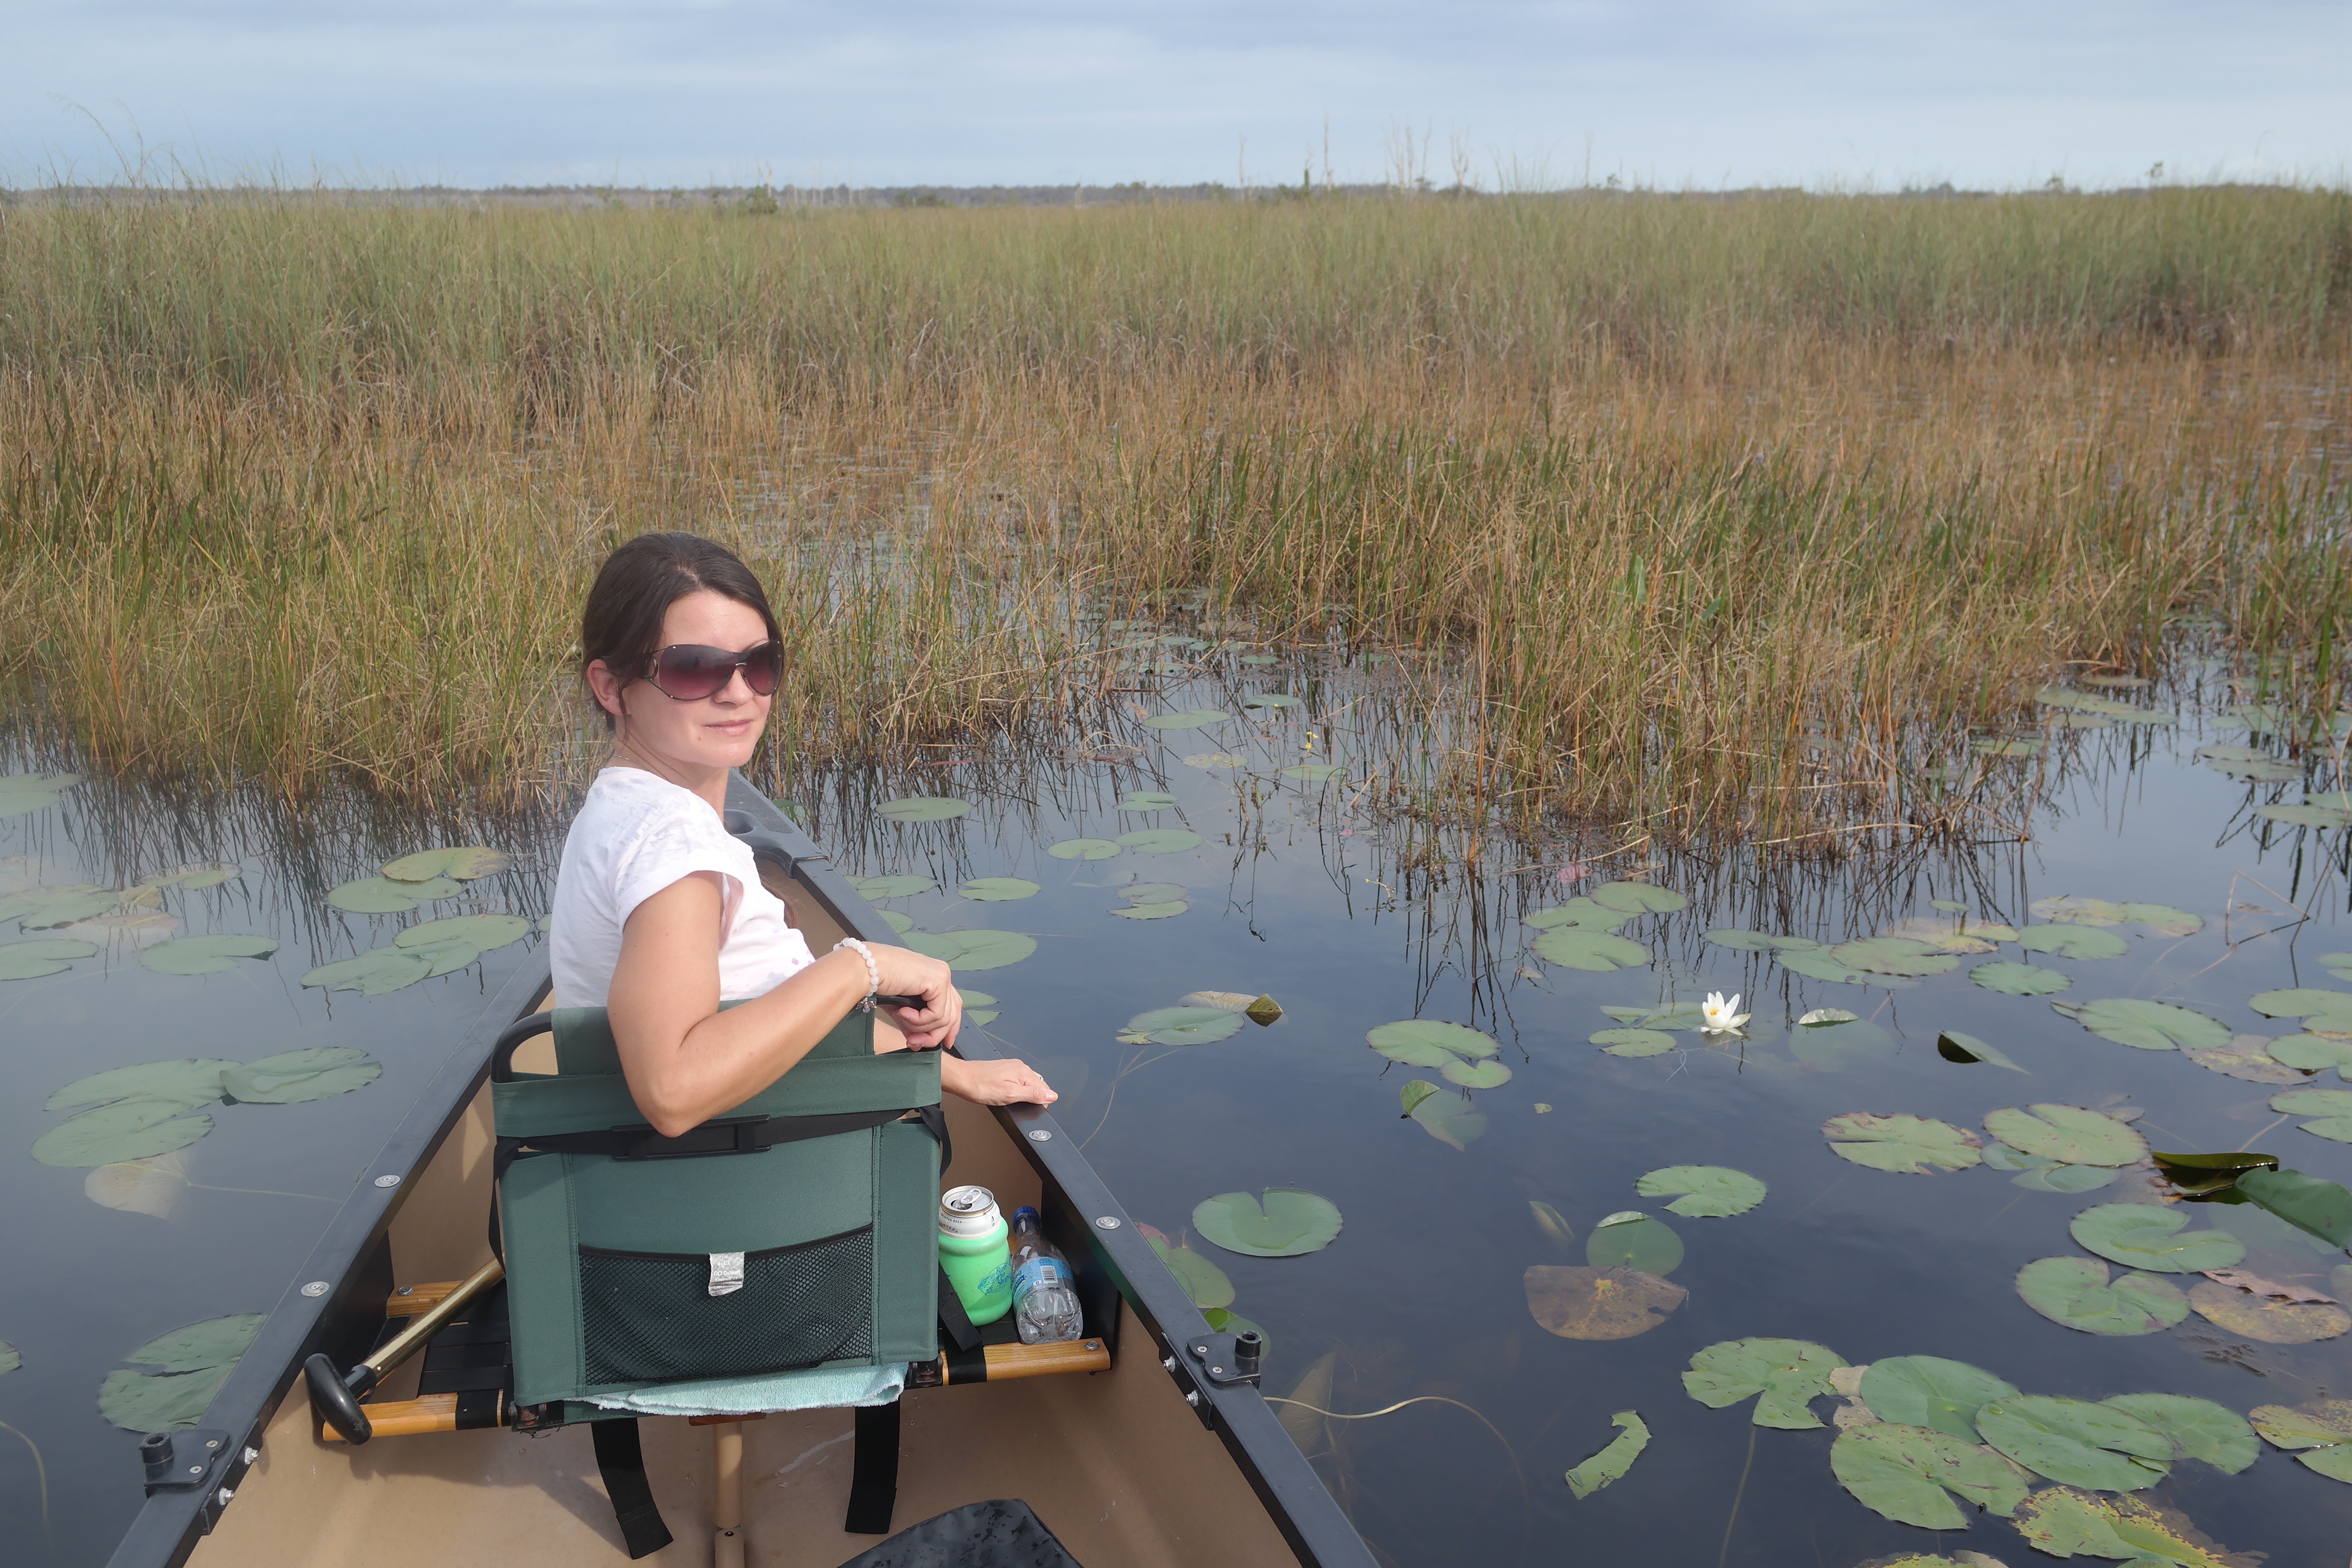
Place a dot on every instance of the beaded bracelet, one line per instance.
(873, 970)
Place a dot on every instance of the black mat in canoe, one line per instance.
(1001, 1534)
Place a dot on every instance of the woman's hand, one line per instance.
(1005, 1082)
(906, 973)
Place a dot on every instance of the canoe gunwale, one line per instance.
(353, 1256)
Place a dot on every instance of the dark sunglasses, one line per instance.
(690, 671)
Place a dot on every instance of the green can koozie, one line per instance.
(973, 1250)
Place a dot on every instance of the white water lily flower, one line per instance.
(1720, 1018)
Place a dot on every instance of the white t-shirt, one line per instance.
(635, 835)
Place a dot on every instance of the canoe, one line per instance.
(1125, 1445)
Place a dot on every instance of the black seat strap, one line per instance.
(621, 1462)
(874, 1471)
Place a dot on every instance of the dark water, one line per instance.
(1350, 919)
(1423, 1294)
(83, 1283)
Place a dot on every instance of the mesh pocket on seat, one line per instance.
(649, 1317)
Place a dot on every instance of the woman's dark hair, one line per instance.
(637, 585)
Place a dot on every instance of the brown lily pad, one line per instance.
(2246, 1279)
(2245, 1056)
(1586, 1303)
(2267, 1317)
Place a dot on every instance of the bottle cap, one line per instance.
(968, 1211)
(1029, 1209)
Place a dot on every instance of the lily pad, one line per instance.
(1599, 1303)
(2333, 1106)
(2069, 1523)
(2075, 1293)
(1758, 942)
(1291, 1223)
(2146, 1235)
(1633, 1042)
(21, 794)
(1930, 1391)
(37, 957)
(2310, 1204)
(1428, 1043)
(1203, 1281)
(895, 921)
(126, 1130)
(2019, 979)
(1781, 1373)
(2311, 1053)
(1442, 1113)
(1216, 760)
(293, 1077)
(1475, 1075)
(1160, 840)
(1146, 800)
(922, 808)
(969, 950)
(1271, 699)
(1612, 1463)
(2066, 1134)
(1664, 1015)
(1596, 952)
(2308, 816)
(1908, 1473)
(2204, 1430)
(2245, 763)
(998, 889)
(898, 886)
(1638, 898)
(1152, 892)
(1082, 849)
(487, 933)
(1987, 746)
(1582, 913)
(1955, 1046)
(1168, 910)
(2254, 1315)
(466, 863)
(2152, 1026)
(2323, 1427)
(1822, 964)
(383, 896)
(1190, 718)
(1260, 658)
(1631, 1240)
(1898, 955)
(2303, 1002)
(1314, 773)
(202, 954)
(1709, 1192)
(184, 1083)
(2078, 1443)
(44, 909)
(2205, 1173)
(196, 1360)
(1185, 1026)
(1908, 1145)
(2066, 1178)
(2076, 942)
(2247, 1057)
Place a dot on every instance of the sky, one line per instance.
(1702, 94)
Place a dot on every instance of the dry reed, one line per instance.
(1729, 513)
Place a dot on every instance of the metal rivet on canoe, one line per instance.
(315, 1288)
(212, 1442)
(387, 1180)
(1039, 1135)
(1107, 1222)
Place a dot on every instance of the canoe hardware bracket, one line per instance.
(187, 1461)
(1227, 1359)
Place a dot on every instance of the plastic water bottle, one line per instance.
(1044, 1301)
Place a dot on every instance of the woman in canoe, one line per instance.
(659, 912)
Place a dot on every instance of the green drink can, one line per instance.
(973, 1251)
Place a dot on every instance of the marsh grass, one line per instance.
(1723, 514)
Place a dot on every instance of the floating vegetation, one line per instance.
(1909, 1145)
(905, 884)
(35, 957)
(22, 794)
(2318, 1434)
(2076, 1293)
(998, 889)
(1146, 800)
(1290, 1223)
(1599, 1303)
(2078, 1443)
(1181, 1027)
(2066, 1134)
(2019, 979)
(1157, 841)
(1781, 1375)
(1612, 1463)
(1203, 1281)
(1911, 1474)
(1631, 1240)
(2148, 1026)
(2258, 1309)
(154, 1108)
(922, 808)
(2149, 1236)
(190, 1365)
(1956, 1047)
(1082, 849)
(1712, 1192)
(1445, 1115)
(1633, 1042)
(978, 1007)
(1190, 718)
(214, 954)
(2081, 942)
(2065, 1522)
(1931, 1390)
(970, 950)
(1428, 1043)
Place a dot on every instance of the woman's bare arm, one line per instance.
(686, 1061)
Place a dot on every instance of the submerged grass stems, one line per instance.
(1720, 515)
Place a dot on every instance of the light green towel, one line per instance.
(780, 1390)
